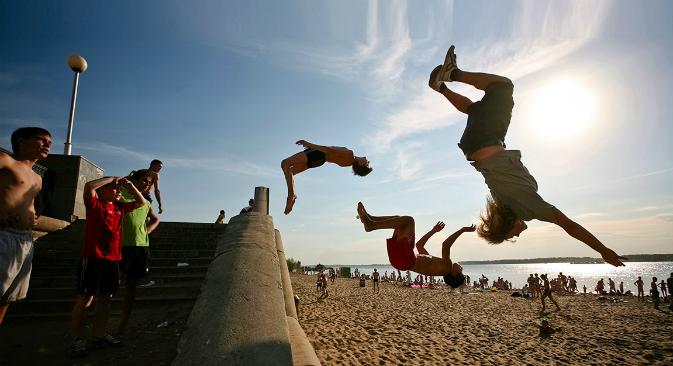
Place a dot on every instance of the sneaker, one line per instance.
(434, 83)
(78, 348)
(106, 341)
(449, 65)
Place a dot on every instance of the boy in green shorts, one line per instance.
(514, 198)
(136, 228)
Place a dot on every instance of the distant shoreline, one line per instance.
(575, 260)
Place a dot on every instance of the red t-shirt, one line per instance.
(103, 228)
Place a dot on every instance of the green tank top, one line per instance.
(134, 229)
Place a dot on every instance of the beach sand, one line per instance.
(405, 326)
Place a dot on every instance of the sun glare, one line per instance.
(562, 108)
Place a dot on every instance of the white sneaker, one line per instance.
(434, 83)
(449, 65)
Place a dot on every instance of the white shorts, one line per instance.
(16, 263)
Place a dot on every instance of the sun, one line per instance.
(562, 108)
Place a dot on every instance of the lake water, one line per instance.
(585, 274)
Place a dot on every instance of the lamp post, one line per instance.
(77, 64)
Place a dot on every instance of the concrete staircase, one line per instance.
(53, 282)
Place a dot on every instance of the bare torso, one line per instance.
(155, 178)
(430, 265)
(20, 185)
(485, 152)
(340, 156)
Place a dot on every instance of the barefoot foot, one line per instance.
(364, 217)
(290, 203)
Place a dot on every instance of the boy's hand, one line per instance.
(440, 225)
(611, 257)
(469, 229)
(124, 182)
(8, 219)
(304, 143)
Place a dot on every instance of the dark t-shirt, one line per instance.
(669, 282)
(103, 228)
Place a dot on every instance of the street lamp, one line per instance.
(77, 64)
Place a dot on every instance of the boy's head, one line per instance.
(361, 166)
(251, 202)
(31, 142)
(109, 193)
(498, 223)
(221, 212)
(141, 179)
(156, 165)
(455, 278)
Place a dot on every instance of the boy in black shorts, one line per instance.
(136, 227)
(98, 271)
(514, 199)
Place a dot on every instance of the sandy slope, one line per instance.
(436, 327)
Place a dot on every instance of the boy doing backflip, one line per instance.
(98, 271)
(20, 206)
(401, 247)
(514, 199)
(315, 156)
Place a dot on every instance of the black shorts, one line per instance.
(96, 275)
(134, 263)
(315, 158)
(488, 119)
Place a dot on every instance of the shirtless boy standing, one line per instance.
(155, 168)
(315, 156)
(641, 293)
(20, 206)
(401, 247)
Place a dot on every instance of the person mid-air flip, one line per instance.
(514, 198)
(315, 156)
(401, 247)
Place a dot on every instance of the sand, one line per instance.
(405, 326)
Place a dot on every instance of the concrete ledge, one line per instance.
(302, 350)
(239, 318)
(288, 294)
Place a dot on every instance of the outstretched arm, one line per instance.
(420, 244)
(578, 232)
(446, 245)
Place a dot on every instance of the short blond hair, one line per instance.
(496, 222)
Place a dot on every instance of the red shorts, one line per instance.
(401, 252)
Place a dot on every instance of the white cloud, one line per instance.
(589, 214)
(531, 47)
(648, 208)
(238, 166)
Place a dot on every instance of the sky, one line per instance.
(221, 91)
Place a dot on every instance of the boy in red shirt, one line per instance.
(98, 271)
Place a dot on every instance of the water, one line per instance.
(585, 274)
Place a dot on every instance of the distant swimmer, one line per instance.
(314, 156)
(514, 198)
(401, 247)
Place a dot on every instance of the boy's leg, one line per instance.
(127, 305)
(79, 313)
(404, 226)
(480, 80)
(295, 164)
(102, 315)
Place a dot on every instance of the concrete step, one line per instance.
(155, 271)
(59, 261)
(37, 282)
(63, 307)
(182, 289)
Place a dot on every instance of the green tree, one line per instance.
(292, 264)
